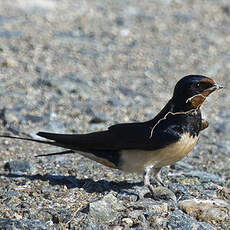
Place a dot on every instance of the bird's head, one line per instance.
(192, 90)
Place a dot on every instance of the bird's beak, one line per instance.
(213, 88)
(219, 87)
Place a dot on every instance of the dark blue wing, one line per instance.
(119, 137)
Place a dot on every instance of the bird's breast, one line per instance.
(176, 151)
(136, 160)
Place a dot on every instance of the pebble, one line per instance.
(223, 192)
(163, 193)
(22, 224)
(106, 210)
(150, 205)
(181, 191)
(178, 220)
(214, 210)
(128, 221)
(9, 63)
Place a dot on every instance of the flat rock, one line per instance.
(106, 210)
(150, 205)
(215, 210)
(181, 221)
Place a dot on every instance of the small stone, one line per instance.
(124, 32)
(207, 210)
(38, 69)
(163, 193)
(17, 216)
(181, 165)
(180, 190)
(138, 218)
(150, 205)
(118, 228)
(33, 118)
(43, 82)
(9, 62)
(128, 221)
(105, 210)
(135, 214)
(12, 115)
(19, 167)
(22, 224)
(223, 193)
(157, 222)
(181, 221)
(127, 195)
(226, 10)
(127, 91)
(91, 225)
(119, 21)
(183, 18)
(188, 181)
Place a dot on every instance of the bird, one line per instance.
(144, 147)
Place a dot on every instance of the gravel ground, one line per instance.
(79, 66)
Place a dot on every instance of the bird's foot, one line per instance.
(159, 180)
(156, 173)
(157, 176)
(151, 189)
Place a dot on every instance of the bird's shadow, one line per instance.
(89, 185)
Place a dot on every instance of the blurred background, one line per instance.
(79, 66)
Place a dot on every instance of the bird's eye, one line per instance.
(196, 85)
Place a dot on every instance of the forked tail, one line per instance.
(43, 142)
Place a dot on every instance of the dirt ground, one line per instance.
(80, 66)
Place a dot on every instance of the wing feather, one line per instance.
(118, 137)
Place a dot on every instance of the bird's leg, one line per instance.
(157, 176)
(147, 174)
(204, 124)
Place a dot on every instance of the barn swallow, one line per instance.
(145, 147)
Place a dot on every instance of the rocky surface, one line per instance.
(79, 66)
(212, 211)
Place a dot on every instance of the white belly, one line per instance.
(137, 160)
